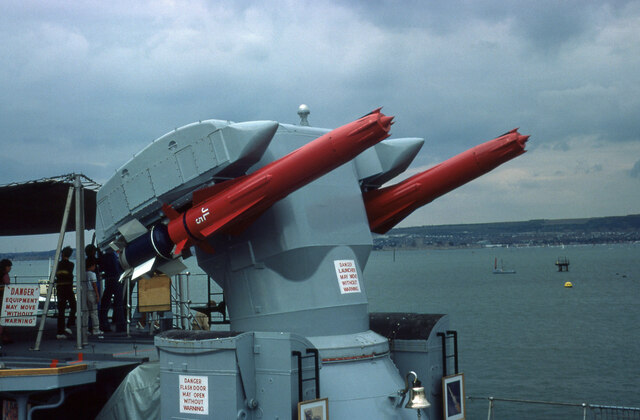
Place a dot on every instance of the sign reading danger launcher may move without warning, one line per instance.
(19, 305)
(347, 276)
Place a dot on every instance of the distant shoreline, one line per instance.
(28, 256)
(532, 233)
(444, 248)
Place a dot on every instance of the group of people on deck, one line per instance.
(99, 266)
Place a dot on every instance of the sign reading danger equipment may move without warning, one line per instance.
(19, 305)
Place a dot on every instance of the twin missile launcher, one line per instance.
(197, 183)
(281, 218)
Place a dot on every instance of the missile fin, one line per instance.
(172, 267)
(126, 273)
(180, 247)
(143, 268)
(362, 126)
(375, 111)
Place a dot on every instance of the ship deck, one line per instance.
(81, 379)
(137, 346)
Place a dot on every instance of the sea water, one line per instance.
(522, 335)
(525, 335)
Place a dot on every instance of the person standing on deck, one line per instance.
(93, 257)
(112, 291)
(92, 297)
(5, 267)
(64, 287)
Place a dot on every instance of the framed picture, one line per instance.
(314, 409)
(453, 397)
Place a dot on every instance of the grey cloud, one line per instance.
(546, 25)
(586, 168)
(530, 184)
(562, 146)
(549, 25)
(86, 85)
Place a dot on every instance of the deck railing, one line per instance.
(587, 411)
(182, 304)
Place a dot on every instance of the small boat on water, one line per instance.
(501, 270)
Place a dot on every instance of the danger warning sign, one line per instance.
(19, 305)
(347, 276)
(194, 394)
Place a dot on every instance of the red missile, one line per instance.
(388, 206)
(232, 205)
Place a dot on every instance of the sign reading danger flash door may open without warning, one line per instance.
(194, 394)
(347, 276)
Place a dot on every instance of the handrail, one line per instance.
(635, 411)
(178, 300)
(526, 401)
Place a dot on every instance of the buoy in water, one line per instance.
(568, 284)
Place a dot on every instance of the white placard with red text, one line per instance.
(194, 394)
(347, 276)
(20, 305)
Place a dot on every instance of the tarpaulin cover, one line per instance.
(137, 397)
(37, 207)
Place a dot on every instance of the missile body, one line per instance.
(388, 206)
(232, 205)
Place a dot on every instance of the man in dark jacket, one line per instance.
(112, 291)
(64, 287)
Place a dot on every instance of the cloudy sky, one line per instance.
(86, 84)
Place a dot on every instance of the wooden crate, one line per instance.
(154, 294)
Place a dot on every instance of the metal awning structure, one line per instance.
(45, 206)
(37, 207)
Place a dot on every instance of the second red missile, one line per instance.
(388, 206)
